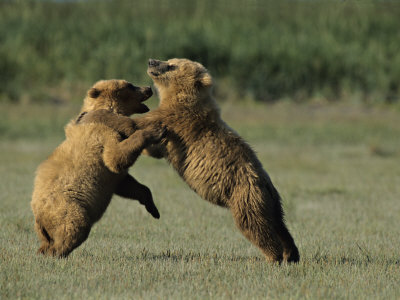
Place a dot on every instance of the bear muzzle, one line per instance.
(147, 93)
(154, 62)
(158, 67)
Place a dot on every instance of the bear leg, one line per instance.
(122, 124)
(290, 251)
(45, 239)
(120, 156)
(260, 233)
(67, 238)
(132, 189)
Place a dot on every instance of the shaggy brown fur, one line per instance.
(74, 186)
(213, 159)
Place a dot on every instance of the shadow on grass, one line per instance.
(175, 256)
(365, 259)
(180, 255)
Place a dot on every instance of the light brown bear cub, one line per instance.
(212, 158)
(74, 186)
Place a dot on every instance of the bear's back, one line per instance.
(75, 171)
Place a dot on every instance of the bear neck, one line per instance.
(199, 103)
(90, 105)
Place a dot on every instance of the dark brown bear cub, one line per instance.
(213, 159)
(74, 186)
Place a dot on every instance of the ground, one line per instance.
(335, 166)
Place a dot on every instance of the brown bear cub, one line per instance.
(212, 158)
(74, 186)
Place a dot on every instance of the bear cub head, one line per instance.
(117, 96)
(181, 81)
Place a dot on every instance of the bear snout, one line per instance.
(154, 62)
(148, 92)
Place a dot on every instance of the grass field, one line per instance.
(337, 168)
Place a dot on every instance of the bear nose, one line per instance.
(149, 91)
(154, 62)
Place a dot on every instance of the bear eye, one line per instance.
(171, 67)
(94, 93)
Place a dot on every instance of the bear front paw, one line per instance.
(156, 134)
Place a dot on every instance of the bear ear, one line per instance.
(94, 93)
(205, 80)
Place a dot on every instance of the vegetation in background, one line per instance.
(265, 50)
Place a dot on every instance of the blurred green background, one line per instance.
(262, 50)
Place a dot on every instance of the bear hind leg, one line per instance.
(260, 234)
(67, 239)
(45, 240)
(290, 251)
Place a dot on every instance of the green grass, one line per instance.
(337, 168)
(261, 49)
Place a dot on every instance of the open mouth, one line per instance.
(147, 93)
(154, 73)
(143, 108)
